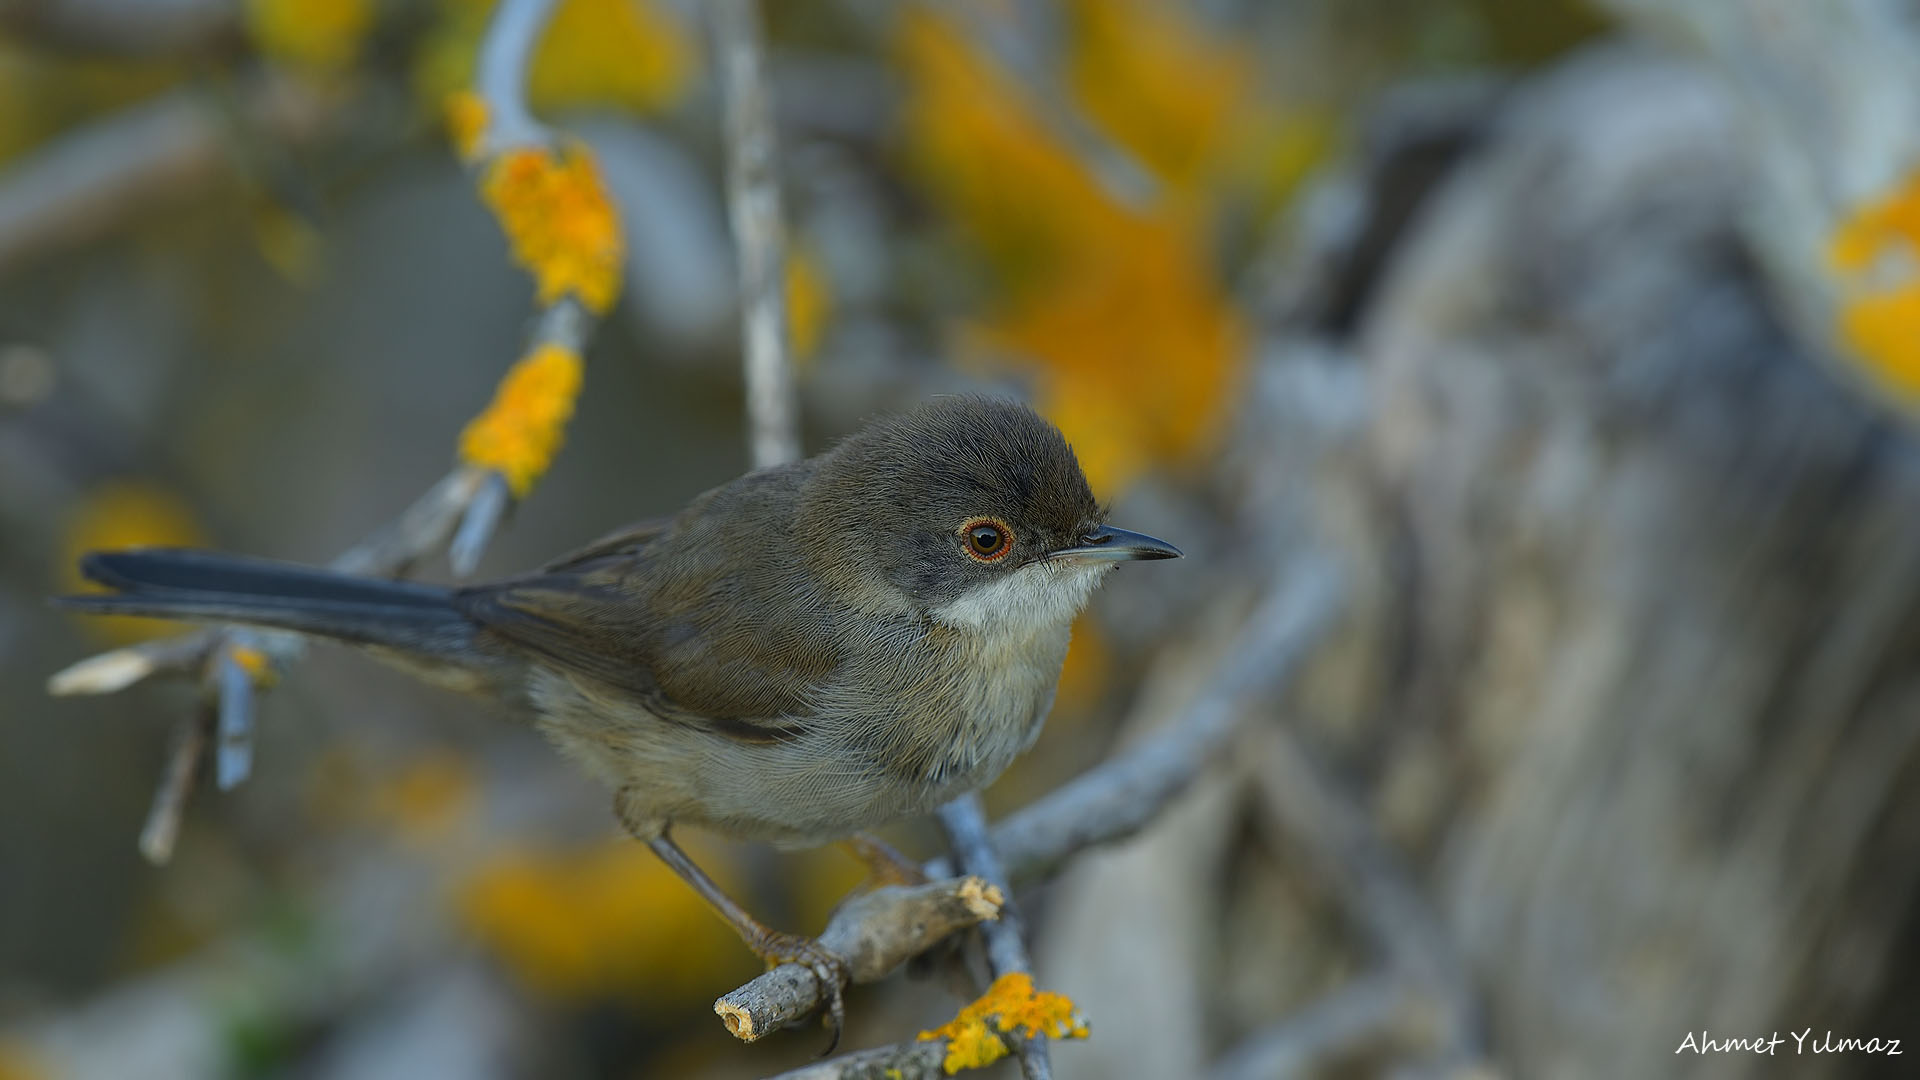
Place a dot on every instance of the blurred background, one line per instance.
(1580, 340)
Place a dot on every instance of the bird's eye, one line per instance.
(987, 540)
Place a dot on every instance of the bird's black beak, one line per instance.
(1108, 544)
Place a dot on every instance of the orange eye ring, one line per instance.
(986, 539)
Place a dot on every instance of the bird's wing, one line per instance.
(624, 541)
(709, 643)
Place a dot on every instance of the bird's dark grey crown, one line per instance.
(907, 482)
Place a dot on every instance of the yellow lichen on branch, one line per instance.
(254, 662)
(1010, 1005)
(559, 222)
(522, 429)
(1879, 320)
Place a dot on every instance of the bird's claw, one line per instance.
(827, 966)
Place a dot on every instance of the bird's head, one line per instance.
(971, 510)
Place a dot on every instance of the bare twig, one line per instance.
(1318, 816)
(874, 933)
(759, 231)
(1304, 1043)
(500, 77)
(190, 738)
(965, 824)
(1119, 797)
(901, 1061)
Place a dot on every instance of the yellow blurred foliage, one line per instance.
(809, 301)
(521, 431)
(1088, 667)
(1879, 319)
(559, 222)
(631, 54)
(466, 117)
(420, 800)
(319, 35)
(289, 242)
(1149, 77)
(1132, 343)
(604, 920)
(125, 514)
(16, 1063)
(1010, 1004)
(43, 93)
(425, 800)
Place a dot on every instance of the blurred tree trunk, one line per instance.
(1643, 696)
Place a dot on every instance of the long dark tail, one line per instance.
(169, 583)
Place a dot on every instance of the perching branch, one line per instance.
(874, 933)
(1114, 800)
(759, 231)
(965, 823)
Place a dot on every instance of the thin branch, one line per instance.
(902, 1061)
(500, 75)
(1317, 815)
(1304, 1043)
(1119, 797)
(759, 231)
(965, 824)
(124, 28)
(98, 177)
(190, 737)
(874, 933)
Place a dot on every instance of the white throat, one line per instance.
(1038, 597)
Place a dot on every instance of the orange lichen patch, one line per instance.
(323, 35)
(1011, 1004)
(124, 515)
(254, 662)
(466, 117)
(809, 301)
(520, 432)
(608, 919)
(1114, 311)
(559, 221)
(1879, 318)
(1879, 227)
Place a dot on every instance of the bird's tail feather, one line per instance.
(173, 583)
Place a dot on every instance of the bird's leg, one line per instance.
(771, 945)
(884, 862)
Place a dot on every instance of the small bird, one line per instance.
(808, 651)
